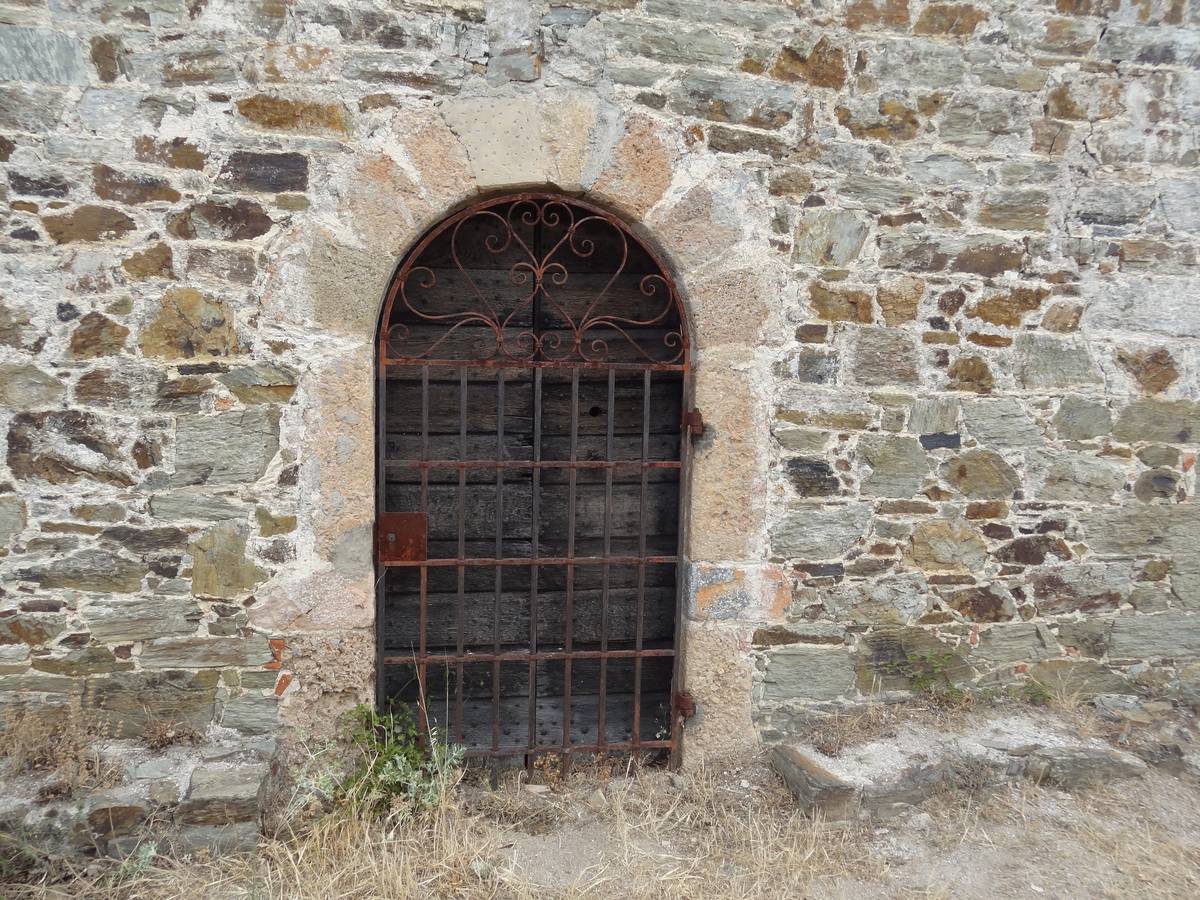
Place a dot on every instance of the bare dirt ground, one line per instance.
(652, 833)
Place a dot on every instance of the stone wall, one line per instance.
(940, 260)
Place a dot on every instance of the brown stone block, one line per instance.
(88, 223)
(900, 298)
(949, 19)
(863, 14)
(970, 373)
(220, 220)
(1008, 308)
(97, 335)
(177, 153)
(839, 304)
(125, 188)
(190, 325)
(983, 339)
(990, 509)
(283, 114)
(266, 172)
(891, 120)
(988, 259)
(153, 262)
(102, 387)
(822, 66)
(65, 446)
(1153, 368)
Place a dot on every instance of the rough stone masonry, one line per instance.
(941, 263)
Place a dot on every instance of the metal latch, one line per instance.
(694, 422)
(685, 704)
(402, 537)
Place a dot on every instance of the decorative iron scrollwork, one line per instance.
(437, 309)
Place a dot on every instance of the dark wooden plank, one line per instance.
(477, 505)
(403, 406)
(441, 680)
(441, 630)
(480, 579)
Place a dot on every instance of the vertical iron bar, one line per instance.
(677, 663)
(499, 554)
(459, 725)
(423, 615)
(601, 724)
(641, 582)
(569, 615)
(535, 552)
(381, 571)
(535, 324)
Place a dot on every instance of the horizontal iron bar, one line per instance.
(521, 750)
(529, 364)
(520, 656)
(531, 464)
(535, 561)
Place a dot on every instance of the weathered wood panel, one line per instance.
(480, 617)
(478, 508)
(441, 681)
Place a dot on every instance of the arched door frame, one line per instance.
(401, 530)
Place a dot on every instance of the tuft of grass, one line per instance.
(396, 771)
(56, 744)
(833, 734)
(160, 734)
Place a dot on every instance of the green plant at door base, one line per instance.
(395, 772)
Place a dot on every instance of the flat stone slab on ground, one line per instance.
(887, 776)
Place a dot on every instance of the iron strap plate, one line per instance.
(402, 537)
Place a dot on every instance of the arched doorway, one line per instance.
(532, 373)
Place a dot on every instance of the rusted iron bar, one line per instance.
(601, 707)
(520, 656)
(534, 561)
(517, 464)
(392, 362)
(460, 602)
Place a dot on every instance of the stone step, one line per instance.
(886, 777)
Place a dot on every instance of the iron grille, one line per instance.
(533, 365)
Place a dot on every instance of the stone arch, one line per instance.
(333, 275)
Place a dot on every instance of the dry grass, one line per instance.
(160, 734)
(834, 733)
(865, 722)
(57, 746)
(664, 835)
(620, 828)
(706, 835)
(1133, 834)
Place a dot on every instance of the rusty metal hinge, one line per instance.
(402, 537)
(694, 423)
(685, 704)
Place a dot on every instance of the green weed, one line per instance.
(395, 771)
